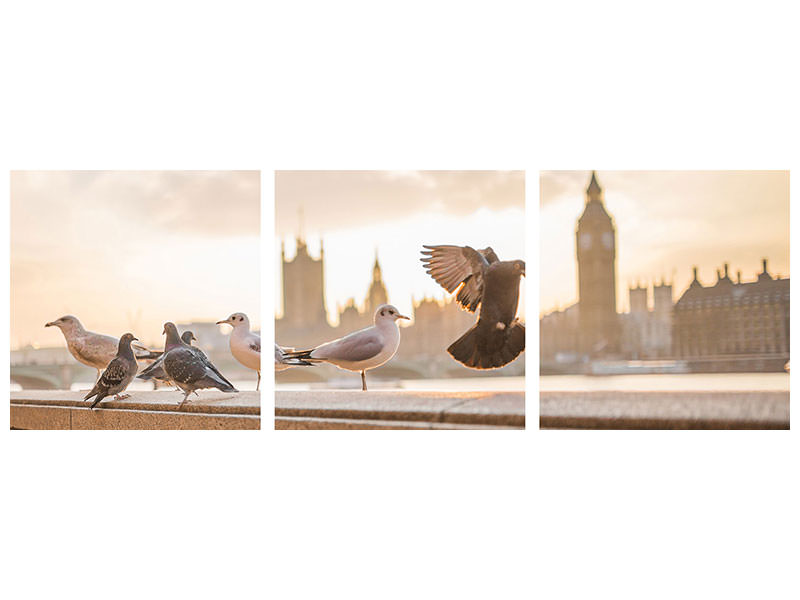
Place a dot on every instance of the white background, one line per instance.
(360, 85)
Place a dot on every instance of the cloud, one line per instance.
(333, 200)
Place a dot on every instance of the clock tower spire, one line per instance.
(595, 238)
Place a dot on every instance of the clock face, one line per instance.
(608, 239)
(585, 240)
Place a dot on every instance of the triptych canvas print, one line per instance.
(400, 300)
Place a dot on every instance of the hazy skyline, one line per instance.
(666, 222)
(356, 213)
(128, 250)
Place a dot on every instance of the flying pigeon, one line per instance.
(188, 367)
(282, 362)
(156, 369)
(118, 375)
(92, 349)
(245, 345)
(481, 279)
(361, 350)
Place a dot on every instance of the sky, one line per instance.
(393, 213)
(127, 251)
(667, 222)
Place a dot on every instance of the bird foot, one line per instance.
(121, 396)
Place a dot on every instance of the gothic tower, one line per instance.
(595, 238)
(377, 290)
(304, 288)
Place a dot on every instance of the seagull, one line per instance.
(481, 279)
(245, 345)
(118, 375)
(188, 367)
(156, 369)
(282, 362)
(361, 350)
(92, 349)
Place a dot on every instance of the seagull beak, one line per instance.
(50, 324)
(404, 317)
(226, 321)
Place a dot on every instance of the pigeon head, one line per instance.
(236, 320)
(125, 344)
(519, 266)
(173, 339)
(387, 312)
(188, 337)
(66, 323)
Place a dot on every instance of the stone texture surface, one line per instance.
(311, 423)
(347, 407)
(664, 410)
(37, 409)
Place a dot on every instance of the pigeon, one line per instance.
(92, 349)
(245, 345)
(482, 279)
(118, 375)
(282, 362)
(156, 369)
(361, 350)
(188, 367)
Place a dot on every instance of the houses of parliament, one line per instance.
(727, 325)
(423, 345)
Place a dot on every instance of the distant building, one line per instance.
(733, 318)
(595, 240)
(648, 333)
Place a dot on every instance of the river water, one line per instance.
(670, 382)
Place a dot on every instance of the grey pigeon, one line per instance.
(482, 279)
(156, 369)
(188, 367)
(361, 350)
(92, 349)
(118, 375)
(283, 362)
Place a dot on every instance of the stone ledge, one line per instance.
(335, 409)
(37, 409)
(664, 410)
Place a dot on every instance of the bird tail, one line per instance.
(220, 382)
(489, 349)
(98, 390)
(300, 358)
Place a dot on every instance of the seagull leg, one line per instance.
(185, 399)
(363, 381)
(259, 380)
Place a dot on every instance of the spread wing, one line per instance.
(459, 268)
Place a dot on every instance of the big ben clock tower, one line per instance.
(595, 237)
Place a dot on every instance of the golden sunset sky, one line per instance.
(667, 222)
(127, 251)
(357, 213)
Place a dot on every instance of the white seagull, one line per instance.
(93, 349)
(361, 350)
(245, 345)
